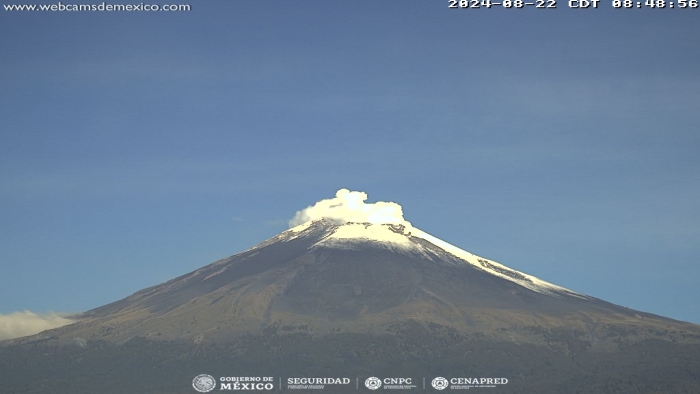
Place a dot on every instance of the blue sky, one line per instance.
(136, 147)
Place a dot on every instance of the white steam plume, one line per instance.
(349, 206)
(21, 324)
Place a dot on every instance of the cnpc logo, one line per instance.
(374, 383)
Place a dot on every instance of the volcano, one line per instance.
(358, 299)
(354, 277)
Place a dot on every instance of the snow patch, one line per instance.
(352, 220)
(497, 269)
(381, 233)
(404, 237)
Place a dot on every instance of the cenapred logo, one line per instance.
(204, 383)
(440, 383)
(373, 383)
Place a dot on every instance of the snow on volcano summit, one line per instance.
(350, 222)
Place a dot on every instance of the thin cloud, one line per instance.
(21, 324)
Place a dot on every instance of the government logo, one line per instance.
(204, 383)
(373, 383)
(440, 383)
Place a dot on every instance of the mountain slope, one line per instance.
(358, 300)
(359, 277)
